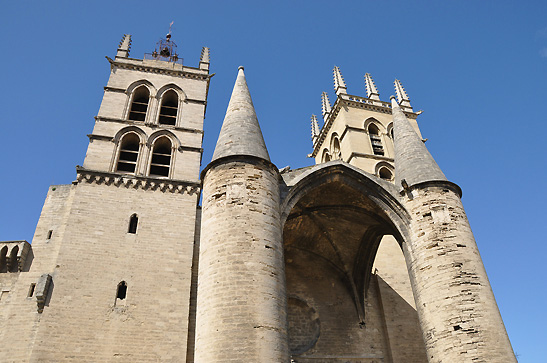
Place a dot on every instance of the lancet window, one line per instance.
(139, 105)
(129, 153)
(160, 163)
(169, 108)
(336, 154)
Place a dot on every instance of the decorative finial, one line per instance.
(402, 97)
(124, 47)
(204, 59)
(314, 129)
(325, 106)
(339, 84)
(372, 91)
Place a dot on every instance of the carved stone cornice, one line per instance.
(183, 71)
(136, 181)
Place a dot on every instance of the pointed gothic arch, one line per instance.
(335, 216)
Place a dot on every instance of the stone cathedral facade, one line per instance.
(366, 256)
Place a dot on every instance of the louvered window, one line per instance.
(139, 105)
(169, 108)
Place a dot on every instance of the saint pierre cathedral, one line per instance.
(366, 256)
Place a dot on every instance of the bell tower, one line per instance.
(150, 123)
(117, 245)
(359, 130)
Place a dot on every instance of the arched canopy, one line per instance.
(337, 214)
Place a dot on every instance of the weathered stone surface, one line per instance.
(241, 306)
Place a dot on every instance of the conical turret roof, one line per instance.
(240, 133)
(413, 162)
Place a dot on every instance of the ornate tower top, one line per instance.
(240, 133)
(166, 50)
(372, 92)
(339, 84)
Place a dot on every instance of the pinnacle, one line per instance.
(372, 91)
(339, 83)
(240, 133)
(125, 46)
(402, 97)
(325, 105)
(413, 162)
(204, 55)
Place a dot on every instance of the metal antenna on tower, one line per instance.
(168, 36)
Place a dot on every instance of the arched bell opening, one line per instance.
(337, 219)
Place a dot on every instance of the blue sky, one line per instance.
(476, 68)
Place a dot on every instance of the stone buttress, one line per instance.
(241, 308)
(458, 314)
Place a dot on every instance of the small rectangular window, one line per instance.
(49, 234)
(31, 290)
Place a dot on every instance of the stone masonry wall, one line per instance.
(241, 309)
(459, 316)
(19, 317)
(83, 320)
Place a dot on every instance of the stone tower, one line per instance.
(115, 247)
(241, 303)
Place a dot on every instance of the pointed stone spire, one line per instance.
(325, 106)
(240, 133)
(372, 92)
(402, 97)
(413, 162)
(204, 59)
(339, 84)
(124, 47)
(314, 129)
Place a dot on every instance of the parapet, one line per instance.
(13, 255)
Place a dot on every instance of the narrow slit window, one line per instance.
(121, 291)
(129, 153)
(161, 158)
(49, 234)
(169, 108)
(139, 106)
(31, 290)
(375, 140)
(133, 222)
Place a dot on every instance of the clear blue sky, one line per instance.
(476, 68)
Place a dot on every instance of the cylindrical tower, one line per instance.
(241, 307)
(458, 314)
